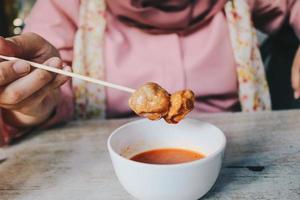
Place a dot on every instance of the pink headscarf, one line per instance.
(164, 16)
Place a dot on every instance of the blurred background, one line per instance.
(12, 15)
(277, 51)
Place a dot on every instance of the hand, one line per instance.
(296, 75)
(28, 96)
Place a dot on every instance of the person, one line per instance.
(207, 46)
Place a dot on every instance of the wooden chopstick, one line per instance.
(73, 75)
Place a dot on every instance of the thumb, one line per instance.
(9, 48)
(29, 46)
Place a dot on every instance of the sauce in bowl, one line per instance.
(167, 156)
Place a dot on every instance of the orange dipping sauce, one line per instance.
(167, 156)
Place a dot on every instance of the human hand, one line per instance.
(296, 75)
(28, 96)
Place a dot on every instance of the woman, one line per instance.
(207, 46)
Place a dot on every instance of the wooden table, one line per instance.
(262, 160)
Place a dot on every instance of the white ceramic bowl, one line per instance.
(186, 181)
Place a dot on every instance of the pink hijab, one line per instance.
(164, 16)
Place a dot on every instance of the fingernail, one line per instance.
(54, 62)
(21, 67)
(68, 68)
(296, 95)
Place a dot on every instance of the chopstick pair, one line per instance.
(71, 74)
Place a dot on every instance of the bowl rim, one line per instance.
(186, 164)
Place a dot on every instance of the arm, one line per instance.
(59, 29)
(269, 15)
(28, 96)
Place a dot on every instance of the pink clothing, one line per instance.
(133, 57)
(154, 15)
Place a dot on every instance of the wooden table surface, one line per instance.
(262, 160)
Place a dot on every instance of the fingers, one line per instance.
(27, 46)
(40, 95)
(26, 86)
(12, 70)
(25, 106)
(33, 96)
(296, 75)
(54, 62)
(61, 79)
(32, 111)
(8, 48)
(295, 82)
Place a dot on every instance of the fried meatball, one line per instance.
(151, 101)
(182, 102)
(154, 102)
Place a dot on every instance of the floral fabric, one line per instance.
(253, 87)
(89, 58)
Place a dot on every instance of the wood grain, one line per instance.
(262, 160)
